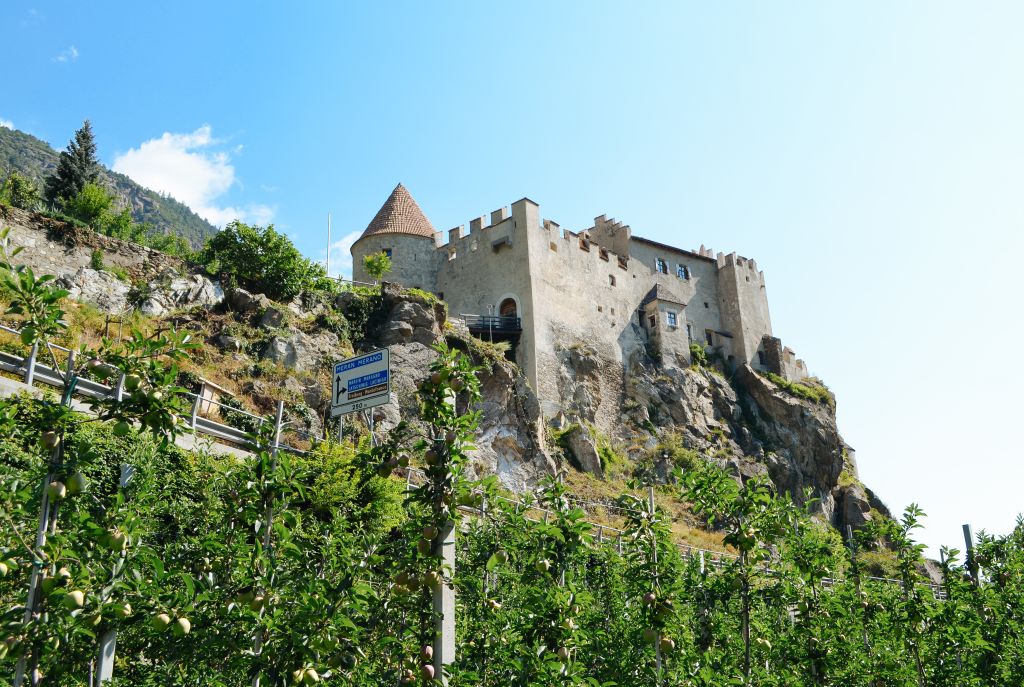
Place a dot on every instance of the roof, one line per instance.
(400, 215)
(662, 293)
(672, 248)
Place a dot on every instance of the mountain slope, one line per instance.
(35, 159)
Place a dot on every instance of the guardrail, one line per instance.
(32, 372)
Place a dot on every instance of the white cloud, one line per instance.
(188, 168)
(6, 123)
(68, 55)
(341, 255)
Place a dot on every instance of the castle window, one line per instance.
(600, 308)
(682, 271)
(706, 304)
(440, 295)
(603, 252)
(760, 357)
(451, 255)
(709, 336)
(661, 266)
(584, 245)
(689, 332)
(653, 322)
(671, 318)
(553, 246)
(611, 279)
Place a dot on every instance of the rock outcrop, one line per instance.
(753, 427)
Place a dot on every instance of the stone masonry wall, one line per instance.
(54, 247)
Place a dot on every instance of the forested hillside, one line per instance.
(35, 159)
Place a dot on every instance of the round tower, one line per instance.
(403, 232)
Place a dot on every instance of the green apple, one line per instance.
(181, 627)
(77, 483)
(160, 621)
(56, 490)
(74, 599)
(50, 439)
(121, 428)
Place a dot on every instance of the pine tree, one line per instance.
(76, 168)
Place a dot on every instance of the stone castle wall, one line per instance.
(584, 300)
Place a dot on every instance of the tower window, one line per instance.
(760, 357)
(653, 322)
(671, 318)
(682, 271)
(689, 332)
(709, 336)
(611, 280)
(661, 266)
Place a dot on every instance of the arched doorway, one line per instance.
(508, 308)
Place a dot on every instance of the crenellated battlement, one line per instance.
(738, 261)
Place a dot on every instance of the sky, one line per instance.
(869, 156)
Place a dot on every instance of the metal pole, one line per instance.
(195, 408)
(972, 564)
(654, 559)
(30, 368)
(108, 640)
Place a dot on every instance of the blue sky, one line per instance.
(870, 156)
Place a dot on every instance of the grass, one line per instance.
(809, 389)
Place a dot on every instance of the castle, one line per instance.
(545, 289)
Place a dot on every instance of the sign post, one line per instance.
(361, 383)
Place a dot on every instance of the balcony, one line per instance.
(500, 328)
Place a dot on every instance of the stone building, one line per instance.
(548, 291)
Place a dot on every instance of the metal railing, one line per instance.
(493, 323)
(32, 372)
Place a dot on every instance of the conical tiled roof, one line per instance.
(400, 215)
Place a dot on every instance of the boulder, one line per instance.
(226, 342)
(583, 447)
(100, 288)
(291, 351)
(272, 318)
(183, 292)
(301, 352)
(244, 302)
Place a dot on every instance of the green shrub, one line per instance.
(698, 356)
(96, 260)
(809, 389)
(262, 260)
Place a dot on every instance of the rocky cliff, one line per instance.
(259, 351)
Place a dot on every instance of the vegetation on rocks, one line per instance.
(809, 389)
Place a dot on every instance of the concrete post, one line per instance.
(444, 604)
